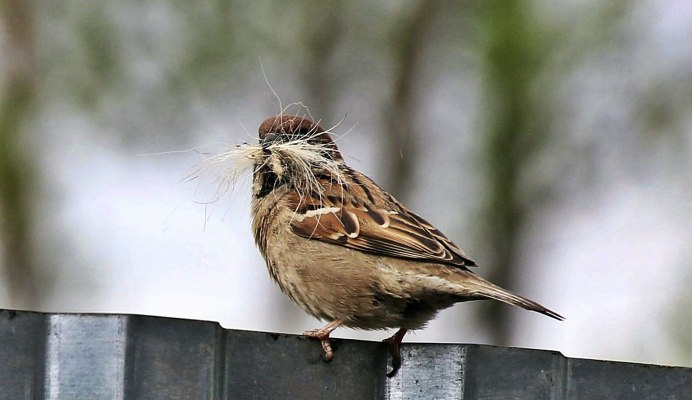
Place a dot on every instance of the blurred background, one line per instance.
(550, 140)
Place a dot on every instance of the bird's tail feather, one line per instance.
(488, 290)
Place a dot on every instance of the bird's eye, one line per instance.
(268, 139)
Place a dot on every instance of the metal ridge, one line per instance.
(113, 356)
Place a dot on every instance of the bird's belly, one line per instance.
(353, 289)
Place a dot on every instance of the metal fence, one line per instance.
(99, 356)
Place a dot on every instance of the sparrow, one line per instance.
(346, 251)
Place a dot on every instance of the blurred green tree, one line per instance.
(17, 170)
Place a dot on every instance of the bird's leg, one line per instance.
(394, 343)
(323, 336)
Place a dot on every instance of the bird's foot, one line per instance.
(394, 343)
(323, 336)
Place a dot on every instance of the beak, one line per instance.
(269, 138)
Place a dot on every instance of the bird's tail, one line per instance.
(483, 288)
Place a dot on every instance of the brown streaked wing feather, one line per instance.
(396, 233)
(442, 238)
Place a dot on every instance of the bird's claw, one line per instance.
(395, 351)
(323, 336)
(394, 345)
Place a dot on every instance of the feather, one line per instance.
(387, 228)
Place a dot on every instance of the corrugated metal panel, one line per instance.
(78, 356)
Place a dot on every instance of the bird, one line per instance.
(346, 251)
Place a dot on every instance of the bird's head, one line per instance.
(296, 152)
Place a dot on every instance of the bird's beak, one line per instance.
(269, 138)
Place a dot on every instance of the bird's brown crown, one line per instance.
(288, 127)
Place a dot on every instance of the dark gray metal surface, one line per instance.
(85, 356)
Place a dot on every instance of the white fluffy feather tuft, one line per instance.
(296, 162)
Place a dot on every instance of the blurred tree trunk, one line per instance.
(401, 153)
(513, 139)
(518, 116)
(16, 172)
(323, 29)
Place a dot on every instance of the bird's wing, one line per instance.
(357, 224)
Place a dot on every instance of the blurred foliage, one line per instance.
(515, 53)
(17, 182)
(84, 58)
(409, 37)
